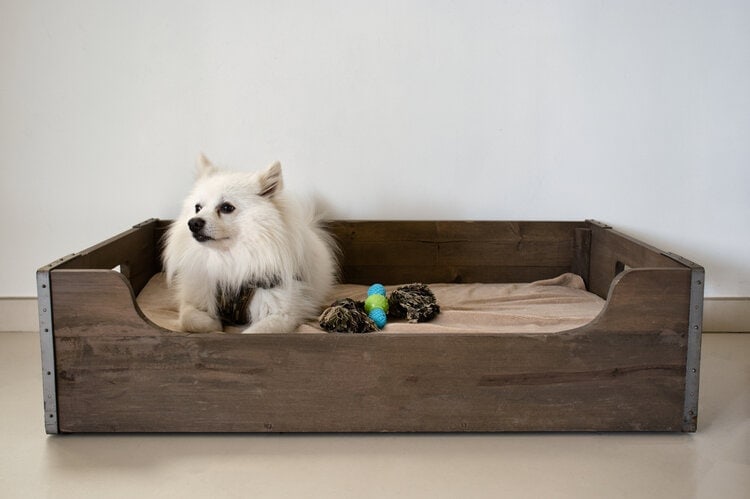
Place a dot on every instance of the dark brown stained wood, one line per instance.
(428, 253)
(321, 383)
(135, 250)
(582, 254)
(667, 308)
(612, 250)
(404, 251)
(442, 231)
(117, 372)
(400, 274)
(626, 370)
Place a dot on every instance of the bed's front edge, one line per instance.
(119, 373)
(138, 381)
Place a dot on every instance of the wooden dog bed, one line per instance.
(633, 366)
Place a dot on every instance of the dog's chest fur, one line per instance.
(233, 305)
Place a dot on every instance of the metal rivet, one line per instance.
(695, 370)
(699, 283)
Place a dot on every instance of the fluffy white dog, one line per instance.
(242, 253)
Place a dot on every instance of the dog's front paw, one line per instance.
(273, 324)
(193, 320)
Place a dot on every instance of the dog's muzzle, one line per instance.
(196, 225)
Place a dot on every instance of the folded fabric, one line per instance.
(551, 305)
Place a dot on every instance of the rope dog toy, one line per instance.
(414, 302)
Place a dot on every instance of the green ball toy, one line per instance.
(376, 301)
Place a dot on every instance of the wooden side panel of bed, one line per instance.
(125, 375)
(612, 252)
(399, 252)
(137, 253)
(625, 371)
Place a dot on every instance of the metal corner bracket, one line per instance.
(695, 330)
(695, 325)
(47, 340)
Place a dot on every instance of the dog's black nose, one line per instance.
(196, 224)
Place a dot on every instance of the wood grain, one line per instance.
(407, 251)
(611, 250)
(582, 255)
(118, 373)
(135, 250)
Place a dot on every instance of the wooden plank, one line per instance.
(648, 300)
(134, 250)
(373, 230)
(116, 372)
(95, 300)
(443, 231)
(387, 252)
(611, 251)
(556, 253)
(379, 382)
(510, 254)
(447, 251)
(582, 254)
(400, 274)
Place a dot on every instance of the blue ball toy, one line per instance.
(376, 305)
(376, 289)
(378, 317)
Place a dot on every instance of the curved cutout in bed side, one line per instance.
(93, 301)
(646, 300)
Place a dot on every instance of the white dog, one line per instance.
(242, 253)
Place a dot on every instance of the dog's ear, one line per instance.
(204, 167)
(271, 181)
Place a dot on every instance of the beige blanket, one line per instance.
(545, 306)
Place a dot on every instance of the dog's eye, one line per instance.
(226, 208)
(198, 208)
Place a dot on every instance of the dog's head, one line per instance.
(225, 206)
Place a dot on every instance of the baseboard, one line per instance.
(731, 315)
(18, 314)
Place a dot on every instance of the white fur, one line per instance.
(267, 234)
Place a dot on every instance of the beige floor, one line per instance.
(712, 463)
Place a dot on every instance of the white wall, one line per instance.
(635, 113)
